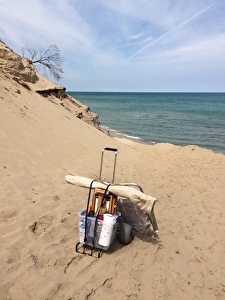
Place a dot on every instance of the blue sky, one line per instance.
(125, 45)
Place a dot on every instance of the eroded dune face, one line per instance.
(16, 65)
(23, 72)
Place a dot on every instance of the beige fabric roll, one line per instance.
(145, 202)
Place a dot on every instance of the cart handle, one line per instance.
(110, 149)
(132, 184)
(114, 168)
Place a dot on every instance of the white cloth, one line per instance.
(145, 202)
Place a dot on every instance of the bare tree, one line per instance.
(48, 60)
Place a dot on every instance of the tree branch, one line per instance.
(49, 59)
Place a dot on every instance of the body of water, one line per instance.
(177, 118)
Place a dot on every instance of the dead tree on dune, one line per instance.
(45, 60)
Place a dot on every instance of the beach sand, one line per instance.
(41, 142)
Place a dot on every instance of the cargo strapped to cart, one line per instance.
(109, 204)
(95, 235)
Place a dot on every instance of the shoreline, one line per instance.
(125, 137)
(145, 120)
(116, 134)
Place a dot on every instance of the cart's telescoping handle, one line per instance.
(114, 168)
(110, 149)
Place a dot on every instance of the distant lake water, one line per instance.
(177, 118)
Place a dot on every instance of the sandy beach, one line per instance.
(41, 142)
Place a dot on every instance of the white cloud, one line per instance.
(96, 38)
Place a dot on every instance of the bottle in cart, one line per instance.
(82, 231)
(96, 204)
(107, 230)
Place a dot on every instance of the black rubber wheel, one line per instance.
(126, 233)
(99, 253)
(77, 246)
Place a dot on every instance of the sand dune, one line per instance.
(40, 143)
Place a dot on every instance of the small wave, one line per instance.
(132, 137)
(119, 134)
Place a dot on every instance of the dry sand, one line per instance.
(40, 143)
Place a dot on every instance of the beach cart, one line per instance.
(110, 212)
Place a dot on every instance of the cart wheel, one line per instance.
(77, 246)
(126, 233)
(99, 253)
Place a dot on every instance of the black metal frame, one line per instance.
(87, 248)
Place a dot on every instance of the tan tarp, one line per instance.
(145, 202)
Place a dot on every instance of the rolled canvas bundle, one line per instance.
(145, 202)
